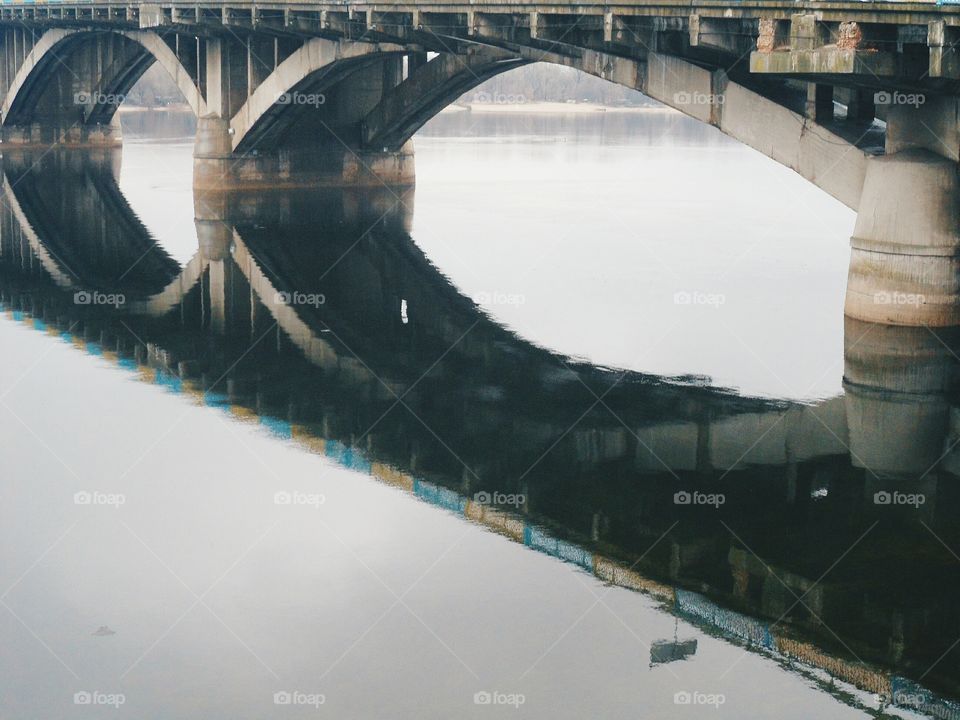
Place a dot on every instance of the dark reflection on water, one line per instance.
(748, 517)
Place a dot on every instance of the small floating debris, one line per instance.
(103, 631)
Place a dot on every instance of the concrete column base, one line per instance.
(44, 135)
(905, 249)
(217, 167)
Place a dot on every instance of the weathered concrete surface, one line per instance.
(904, 264)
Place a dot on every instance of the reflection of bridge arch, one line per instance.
(80, 225)
(604, 489)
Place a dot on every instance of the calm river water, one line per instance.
(575, 429)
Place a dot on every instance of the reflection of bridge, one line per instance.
(288, 94)
(482, 410)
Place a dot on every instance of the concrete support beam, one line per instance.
(819, 102)
(915, 120)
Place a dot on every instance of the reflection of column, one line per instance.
(896, 380)
(215, 237)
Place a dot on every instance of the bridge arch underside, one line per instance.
(69, 84)
(337, 112)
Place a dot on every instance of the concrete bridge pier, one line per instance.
(295, 116)
(218, 167)
(905, 249)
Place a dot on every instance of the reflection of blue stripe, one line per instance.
(537, 539)
(215, 399)
(333, 449)
(39, 324)
(439, 496)
(697, 606)
(18, 315)
(278, 427)
(128, 363)
(66, 336)
(355, 460)
(94, 348)
(169, 381)
(573, 554)
(907, 694)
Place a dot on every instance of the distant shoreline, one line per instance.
(553, 108)
(180, 108)
(492, 108)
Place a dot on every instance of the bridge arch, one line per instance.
(72, 81)
(317, 66)
(788, 137)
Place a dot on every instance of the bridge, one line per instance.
(860, 98)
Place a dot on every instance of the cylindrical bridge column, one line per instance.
(905, 249)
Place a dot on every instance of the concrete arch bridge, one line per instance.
(859, 98)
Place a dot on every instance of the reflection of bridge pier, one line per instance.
(899, 384)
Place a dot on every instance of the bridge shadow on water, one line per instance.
(818, 534)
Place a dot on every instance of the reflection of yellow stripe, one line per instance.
(111, 356)
(496, 520)
(616, 574)
(79, 342)
(862, 676)
(147, 373)
(242, 412)
(392, 476)
(305, 436)
(193, 390)
(53, 330)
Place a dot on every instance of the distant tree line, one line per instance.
(155, 89)
(545, 82)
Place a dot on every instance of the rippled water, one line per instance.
(438, 453)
